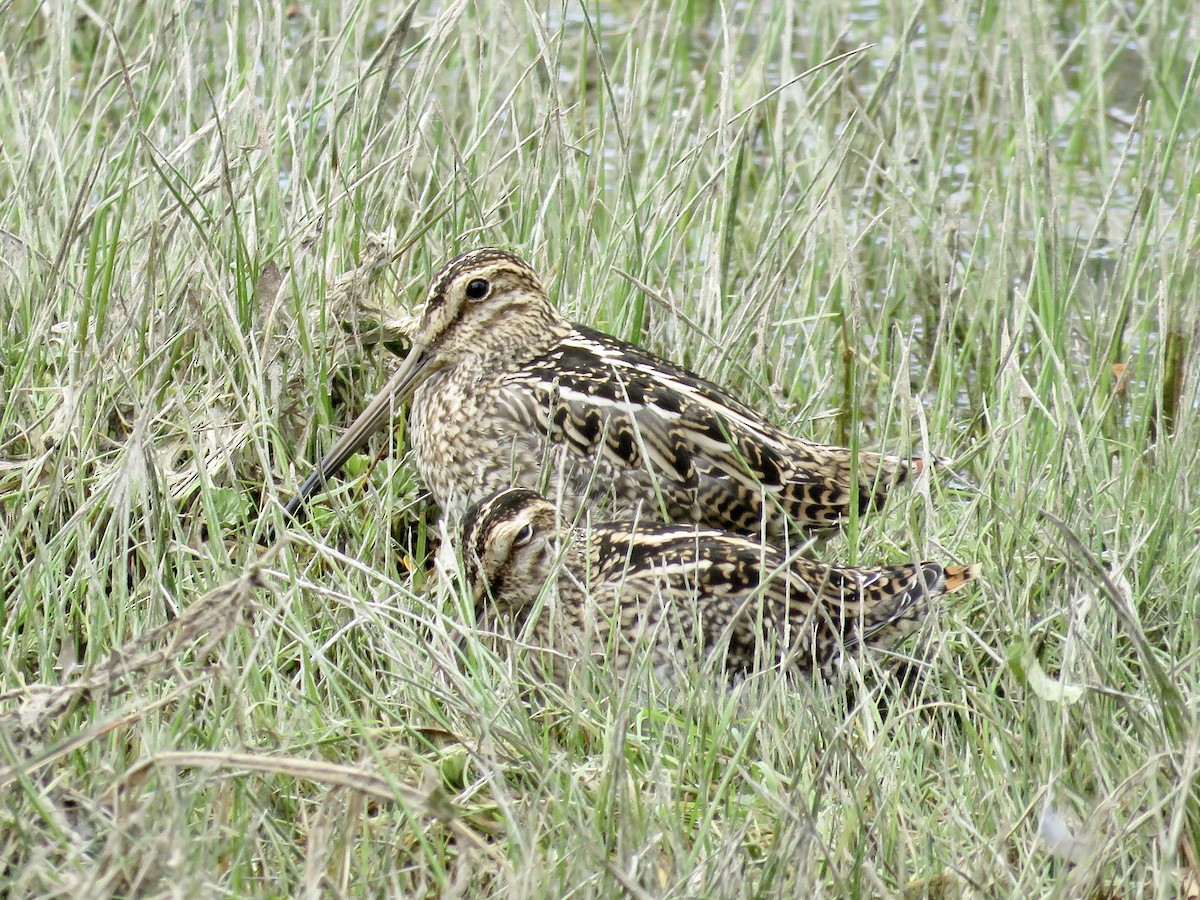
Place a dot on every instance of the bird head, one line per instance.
(482, 301)
(510, 543)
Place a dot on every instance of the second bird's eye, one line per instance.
(524, 536)
(477, 288)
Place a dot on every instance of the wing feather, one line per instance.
(668, 432)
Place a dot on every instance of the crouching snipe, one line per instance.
(505, 391)
(676, 589)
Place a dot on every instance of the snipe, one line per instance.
(676, 589)
(504, 390)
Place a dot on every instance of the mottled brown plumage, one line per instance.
(506, 391)
(609, 589)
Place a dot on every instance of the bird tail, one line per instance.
(957, 576)
(878, 474)
(918, 463)
(827, 482)
(874, 607)
(890, 613)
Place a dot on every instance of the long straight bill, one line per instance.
(397, 392)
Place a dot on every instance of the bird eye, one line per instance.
(524, 536)
(477, 288)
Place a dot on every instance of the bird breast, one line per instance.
(465, 441)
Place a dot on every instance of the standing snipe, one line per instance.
(677, 588)
(506, 391)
